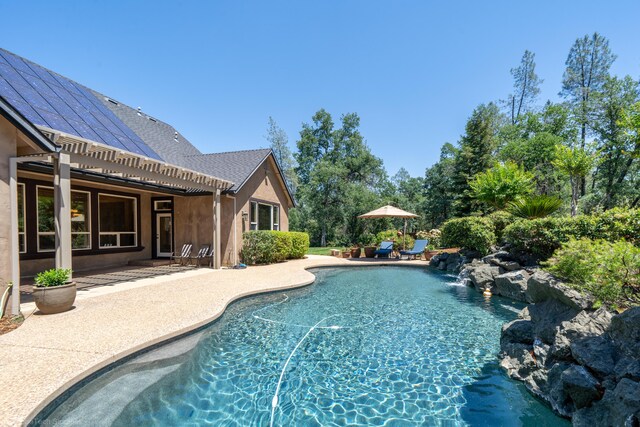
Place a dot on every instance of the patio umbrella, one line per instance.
(391, 212)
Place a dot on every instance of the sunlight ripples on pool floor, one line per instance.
(392, 346)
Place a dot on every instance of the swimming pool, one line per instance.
(367, 345)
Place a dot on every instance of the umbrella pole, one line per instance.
(404, 234)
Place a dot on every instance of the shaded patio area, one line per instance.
(110, 277)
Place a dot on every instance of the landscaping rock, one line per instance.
(618, 407)
(542, 286)
(596, 353)
(547, 317)
(625, 331)
(584, 324)
(555, 392)
(507, 265)
(483, 276)
(580, 386)
(518, 361)
(513, 285)
(518, 331)
(454, 262)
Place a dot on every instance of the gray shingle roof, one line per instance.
(234, 166)
(163, 138)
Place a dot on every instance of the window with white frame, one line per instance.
(22, 238)
(80, 220)
(263, 216)
(117, 221)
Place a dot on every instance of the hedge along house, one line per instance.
(81, 189)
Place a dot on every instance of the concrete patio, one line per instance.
(48, 354)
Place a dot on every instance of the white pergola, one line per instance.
(80, 153)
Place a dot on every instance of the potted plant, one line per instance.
(346, 252)
(368, 241)
(53, 292)
(356, 251)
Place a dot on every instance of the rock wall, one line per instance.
(584, 362)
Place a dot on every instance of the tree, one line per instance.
(526, 86)
(576, 163)
(476, 154)
(279, 143)
(588, 65)
(630, 123)
(438, 188)
(501, 185)
(613, 145)
(332, 164)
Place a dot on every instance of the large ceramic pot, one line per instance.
(356, 252)
(54, 299)
(369, 251)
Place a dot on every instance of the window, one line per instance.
(22, 239)
(117, 220)
(162, 205)
(80, 220)
(264, 217)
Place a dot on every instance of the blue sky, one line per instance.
(412, 70)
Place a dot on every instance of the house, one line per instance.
(88, 182)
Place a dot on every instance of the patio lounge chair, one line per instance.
(418, 248)
(205, 252)
(183, 256)
(384, 250)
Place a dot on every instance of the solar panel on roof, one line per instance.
(48, 99)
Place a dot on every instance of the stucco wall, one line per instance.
(194, 220)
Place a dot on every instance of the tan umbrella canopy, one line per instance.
(391, 212)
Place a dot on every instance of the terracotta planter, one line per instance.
(356, 252)
(54, 299)
(429, 254)
(369, 251)
(346, 254)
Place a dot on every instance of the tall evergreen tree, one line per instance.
(526, 86)
(438, 187)
(476, 154)
(614, 147)
(587, 69)
(279, 143)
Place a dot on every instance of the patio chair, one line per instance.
(204, 252)
(384, 250)
(183, 256)
(418, 248)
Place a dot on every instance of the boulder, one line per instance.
(507, 265)
(555, 391)
(596, 353)
(483, 276)
(584, 324)
(513, 285)
(518, 331)
(547, 317)
(625, 331)
(580, 386)
(518, 360)
(543, 286)
(618, 407)
(454, 262)
(498, 256)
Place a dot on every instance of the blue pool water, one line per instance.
(391, 346)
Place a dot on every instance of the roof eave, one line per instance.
(26, 127)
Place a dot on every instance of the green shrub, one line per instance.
(473, 233)
(53, 277)
(541, 237)
(609, 271)
(396, 237)
(266, 247)
(500, 220)
(532, 207)
(299, 244)
(434, 237)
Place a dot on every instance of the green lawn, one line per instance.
(320, 251)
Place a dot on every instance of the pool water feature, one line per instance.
(362, 346)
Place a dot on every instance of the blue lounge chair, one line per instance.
(418, 248)
(384, 250)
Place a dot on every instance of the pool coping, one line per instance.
(33, 400)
